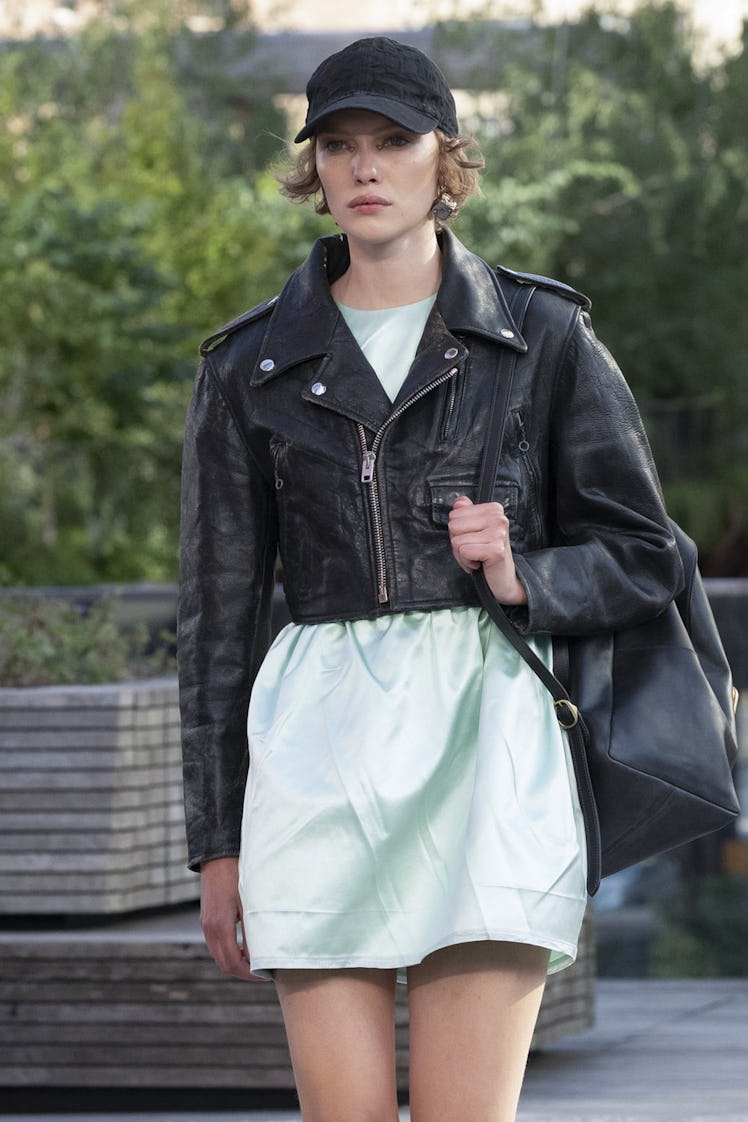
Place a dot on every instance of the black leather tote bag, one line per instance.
(649, 710)
(656, 726)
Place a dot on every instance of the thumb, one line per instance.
(462, 500)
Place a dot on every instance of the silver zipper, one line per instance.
(275, 452)
(524, 443)
(367, 464)
(450, 408)
(368, 476)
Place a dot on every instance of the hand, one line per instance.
(479, 535)
(220, 912)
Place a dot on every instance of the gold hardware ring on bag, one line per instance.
(571, 711)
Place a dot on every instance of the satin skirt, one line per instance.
(409, 788)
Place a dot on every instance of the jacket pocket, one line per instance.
(443, 492)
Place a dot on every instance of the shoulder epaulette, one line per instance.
(257, 312)
(546, 282)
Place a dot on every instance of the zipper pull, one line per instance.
(367, 467)
(524, 444)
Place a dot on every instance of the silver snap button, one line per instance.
(507, 333)
(267, 364)
(319, 388)
(452, 352)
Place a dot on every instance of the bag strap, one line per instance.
(567, 713)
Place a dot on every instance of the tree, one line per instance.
(122, 242)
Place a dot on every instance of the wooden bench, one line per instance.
(138, 1003)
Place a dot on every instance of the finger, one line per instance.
(466, 563)
(488, 532)
(479, 534)
(228, 954)
(490, 545)
(220, 930)
(480, 553)
(469, 517)
(461, 507)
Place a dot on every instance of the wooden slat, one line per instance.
(91, 815)
(140, 1003)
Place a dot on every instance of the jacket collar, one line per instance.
(306, 324)
(470, 298)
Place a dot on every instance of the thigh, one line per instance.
(341, 1034)
(473, 1008)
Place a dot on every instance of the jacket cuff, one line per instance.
(195, 864)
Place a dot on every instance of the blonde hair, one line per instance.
(458, 176)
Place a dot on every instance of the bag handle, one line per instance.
(567, 713)
(499, 410)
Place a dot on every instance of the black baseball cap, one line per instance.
(386, 77)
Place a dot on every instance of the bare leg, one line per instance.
(473, 1008)
(340, 1028)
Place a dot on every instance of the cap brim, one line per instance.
(409, 118)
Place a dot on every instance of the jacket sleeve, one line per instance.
(227, 556)
(614, 562)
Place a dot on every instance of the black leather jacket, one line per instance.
(292, 444)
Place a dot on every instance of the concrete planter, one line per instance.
(91, 818)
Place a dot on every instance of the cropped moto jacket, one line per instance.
(293, 449)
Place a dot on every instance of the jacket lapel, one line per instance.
(306, 327)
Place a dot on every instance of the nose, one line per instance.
(364, 165)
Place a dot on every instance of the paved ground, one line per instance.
(659, 1052)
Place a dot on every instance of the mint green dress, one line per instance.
(409, 786)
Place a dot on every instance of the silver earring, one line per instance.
(444, 207)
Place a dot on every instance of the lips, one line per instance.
(364, 201)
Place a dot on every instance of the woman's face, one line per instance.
(379, 179)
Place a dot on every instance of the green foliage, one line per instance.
(54, 642)
(126, 234)
(716, 506)
(634, 164)
(704, 931)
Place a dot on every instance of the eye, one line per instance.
(332, 144)
(396, 140)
